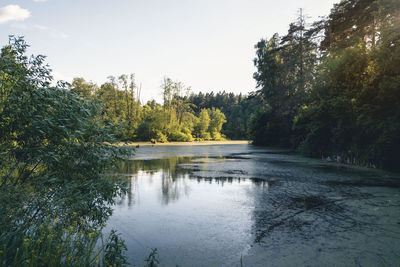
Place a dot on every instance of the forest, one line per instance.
(183, 116)
(331, 88)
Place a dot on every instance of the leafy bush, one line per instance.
(54, 152)
(162, 138)
(180, 137)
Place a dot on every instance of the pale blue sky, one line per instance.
(208, 45)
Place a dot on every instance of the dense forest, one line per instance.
(238, 110)
(183, 116)
(332, 88)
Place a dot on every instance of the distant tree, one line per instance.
(201, 129)
(236, 108)
(82, 88)
(217, 119)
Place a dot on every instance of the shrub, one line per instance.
(54, 152)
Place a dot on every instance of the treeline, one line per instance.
(238, 110)
(332, 89)
(183, 116)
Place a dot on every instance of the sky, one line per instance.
(206, 44)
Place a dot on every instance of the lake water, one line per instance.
(223, 205)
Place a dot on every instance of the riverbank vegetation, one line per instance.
(332, 88)
(54, 155)
(183, 116)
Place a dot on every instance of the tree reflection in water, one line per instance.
(265, 206)
(173, 186)
(173, 173)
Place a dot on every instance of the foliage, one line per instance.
(82, 88)
(285, 71)
(114, 250)
(175, 120)
(120, 107)
(51, 244)
(236, 108)
(53, 155)
(347, 105)
(217, 119)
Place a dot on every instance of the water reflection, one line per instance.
(261, 206)
(173, 174)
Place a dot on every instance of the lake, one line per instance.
(221, 205)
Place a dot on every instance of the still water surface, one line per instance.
(220, 205)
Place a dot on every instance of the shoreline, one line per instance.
(193, 143)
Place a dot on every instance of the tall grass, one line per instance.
(51, 244)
